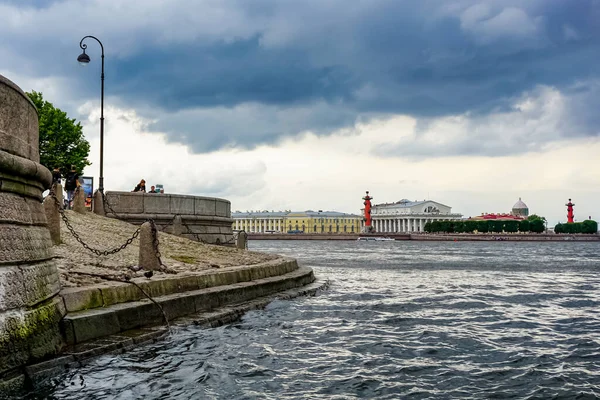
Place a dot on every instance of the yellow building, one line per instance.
(297, 222)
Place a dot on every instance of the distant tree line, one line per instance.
(533, 224)
(587, 226)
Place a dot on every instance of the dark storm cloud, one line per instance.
(251, 72)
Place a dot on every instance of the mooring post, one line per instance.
(148, 259)
(98, 204)
(53, 218)
(79, 202)
(177, 225)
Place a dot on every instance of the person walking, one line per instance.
(71, 183)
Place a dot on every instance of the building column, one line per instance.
(421, 224)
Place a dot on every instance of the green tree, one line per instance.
(534, 217)
(427, 227)
(589, 226)
(483, 226)
(524, 226)
(537, 225)
(558, 228)
(61, 138)
(511, 226)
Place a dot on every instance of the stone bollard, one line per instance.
(53, 218)
(98, 204)
(30, 308)
(242, 240)
(79, 202)
(58, 192)
(177, 226)
(148, 258)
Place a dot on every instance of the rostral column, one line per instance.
(570, 216)
(367, 203)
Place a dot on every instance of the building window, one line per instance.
(344, 228)
(352, 229)
(315, 229)
(329, 228)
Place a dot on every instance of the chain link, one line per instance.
(155, 242)
(78, 238)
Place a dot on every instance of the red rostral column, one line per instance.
(367, 204)
(570, 216)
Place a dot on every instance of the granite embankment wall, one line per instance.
(206, 219)
(29, 283)
(533, 237)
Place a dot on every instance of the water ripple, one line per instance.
(401, 320)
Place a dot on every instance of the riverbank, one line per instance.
(105, 301)
(517, 237)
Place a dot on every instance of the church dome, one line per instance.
(520, 208)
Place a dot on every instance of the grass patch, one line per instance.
(185, 259)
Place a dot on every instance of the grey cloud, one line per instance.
(239, 73)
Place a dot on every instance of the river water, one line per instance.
(402, 319)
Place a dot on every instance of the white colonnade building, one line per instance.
(409, 216)
(259, 222)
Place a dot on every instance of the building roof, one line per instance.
(519, 205)
(404, 203)
(308, 213)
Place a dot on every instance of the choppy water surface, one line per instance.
(400, 320)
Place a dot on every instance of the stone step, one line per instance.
(85, 325)
(110, 293)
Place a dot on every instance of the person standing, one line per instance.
(71, 183)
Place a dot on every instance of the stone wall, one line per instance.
(206, 219)
(29, 283)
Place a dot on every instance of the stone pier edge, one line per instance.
(111, 293)
(40, 375)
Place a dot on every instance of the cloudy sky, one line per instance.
(277, 104)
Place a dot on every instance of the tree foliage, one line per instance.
(61, 138)
(587, 226)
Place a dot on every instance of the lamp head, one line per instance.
(83, 58)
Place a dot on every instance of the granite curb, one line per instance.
(110, 293)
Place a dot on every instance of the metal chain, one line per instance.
(78, 238)
(155, 242)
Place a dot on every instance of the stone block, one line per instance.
(40, 282)
(154, 204)
(205, 206)
(223, 208)
(177, 227)
(166, 286)
(178, 305)
(182, 204)
(36, 211)
(125, 202)
(206, 301)
(98, 204)
(135, 315)
(95, 323)
(53, 218)
(20, 243)
(79, 202)
(77, 299)
(14, 208)
(11, 288)
(147, 251)
(116, 293)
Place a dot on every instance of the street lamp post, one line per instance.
(84, 59)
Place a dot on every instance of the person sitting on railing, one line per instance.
(140, 187)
